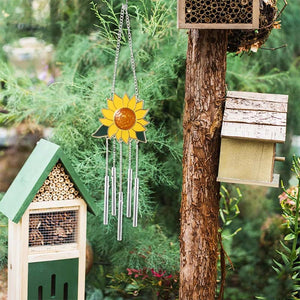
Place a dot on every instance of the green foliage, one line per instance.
(288, 267)
(146, 283)
(3, 239)
(72, 106)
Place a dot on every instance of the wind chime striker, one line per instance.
(123, 121)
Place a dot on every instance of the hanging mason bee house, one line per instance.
(215, 14)
(46, 206)
(252, 125)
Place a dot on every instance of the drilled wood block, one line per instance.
(215, 14)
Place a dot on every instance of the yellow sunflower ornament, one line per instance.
(123, 119)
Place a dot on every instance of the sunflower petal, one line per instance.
(143, 122)
(112, 130)
(138, 127)
(118, 102)
(106, 122)
(139, 105)
(132, 103)
(132, 134)
(141, 113)
(119, 135)
(110, 105)
(125, 100)
(125, 136)
(108, 114)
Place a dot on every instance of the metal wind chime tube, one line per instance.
(123, 121)
(106, 188)
(114, 182)
(120, 207)
(136, 188)
(129, 183)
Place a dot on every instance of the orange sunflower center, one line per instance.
(124, 118)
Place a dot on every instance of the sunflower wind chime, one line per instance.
(123, 122)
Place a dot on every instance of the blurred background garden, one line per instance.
(56, 68)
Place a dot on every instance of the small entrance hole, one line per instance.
(40, 293)
(66, 290)
(53, 282)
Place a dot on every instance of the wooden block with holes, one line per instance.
(46, 205)
(215, 14)
(252, 125)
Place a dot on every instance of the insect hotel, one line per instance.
(252, 125)
(216, 14)
(46, 205)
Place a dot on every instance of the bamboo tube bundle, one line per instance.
(216, 11)
(57, 187)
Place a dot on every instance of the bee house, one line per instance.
(252, 125)
(46, 205)
(215, 14)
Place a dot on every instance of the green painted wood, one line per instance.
(31, 177)
(52, 276)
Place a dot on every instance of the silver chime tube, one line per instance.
(120, 217)
(114, 183)
(136, 188)
(120, 207)
(106, 188)
(113, 191)
(135, 202)
(129, 192)
(106, 199)
(129, 183)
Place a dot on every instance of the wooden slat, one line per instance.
(273, 183)
(38, 257)
(255, 20)
(238, 103)
(258, 96)
(255, 117)
(254, 131)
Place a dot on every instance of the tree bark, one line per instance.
(203, 113)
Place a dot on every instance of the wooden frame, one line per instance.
(181, 21)
(20, 254)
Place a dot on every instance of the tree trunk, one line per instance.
(203, 113)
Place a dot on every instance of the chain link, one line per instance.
(119, 37)
(131, 55)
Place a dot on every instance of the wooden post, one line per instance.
(204, 98)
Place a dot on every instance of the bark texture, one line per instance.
(204, 98)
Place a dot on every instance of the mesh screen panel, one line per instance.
(53, 228)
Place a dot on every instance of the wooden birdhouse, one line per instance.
(216, 14)
(46, 205)
(252, 125)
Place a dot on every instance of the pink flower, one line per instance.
(158, 275)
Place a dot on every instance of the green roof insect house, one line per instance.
(46, 205)
(252, 125)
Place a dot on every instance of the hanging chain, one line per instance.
(131, 55)
(119, 37)
(118, 50)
